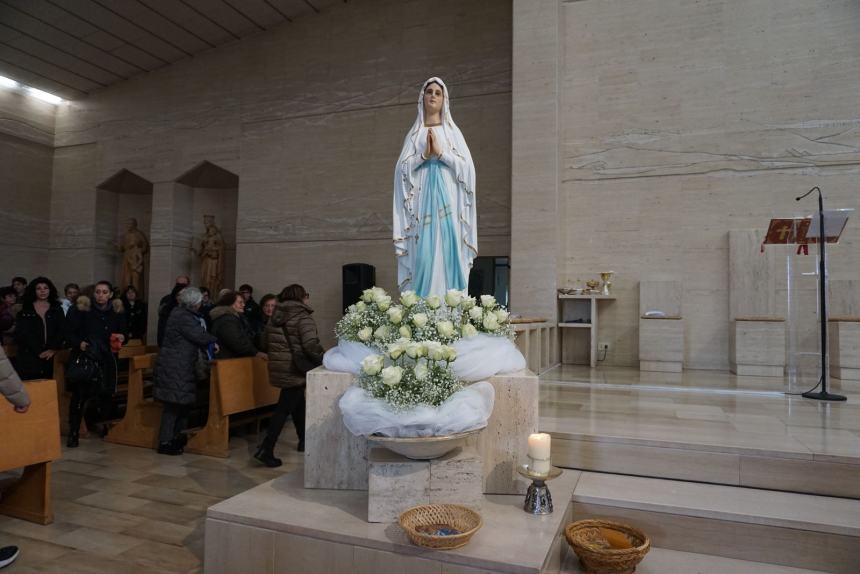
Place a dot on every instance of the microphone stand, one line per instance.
(823, 394)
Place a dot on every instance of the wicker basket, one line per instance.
(422, 523)
(600, 545)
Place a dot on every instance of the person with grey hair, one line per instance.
(14, 391)
(175, 382)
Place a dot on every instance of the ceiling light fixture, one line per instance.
(8, 82)
(44, 96)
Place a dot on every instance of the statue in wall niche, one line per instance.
(435, 219)
(211, 254)
(134, 246)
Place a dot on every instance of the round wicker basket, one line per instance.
(606, 547)
(423, 524)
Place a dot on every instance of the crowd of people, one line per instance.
(194, 328)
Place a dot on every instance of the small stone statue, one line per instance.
(134, 246)
(211, 254)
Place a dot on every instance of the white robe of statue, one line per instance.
(434, 199)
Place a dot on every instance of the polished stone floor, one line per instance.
(713, 409)
(130, 510)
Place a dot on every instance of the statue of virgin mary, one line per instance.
(435, 221)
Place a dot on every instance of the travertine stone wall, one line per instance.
(311, 117)
(678, 122)
(26, 137)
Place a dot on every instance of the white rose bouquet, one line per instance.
(373, 320)
(377, 320)
(417, 373)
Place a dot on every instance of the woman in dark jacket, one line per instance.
(39, 330)
(291, 332)
(135, 313)
(98, 328)
(175, 382)
(234, 333)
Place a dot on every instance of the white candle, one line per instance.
(539, 466)
(539, 444)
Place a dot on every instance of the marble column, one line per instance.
(534, 157)
(170, 242)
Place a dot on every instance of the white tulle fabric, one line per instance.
(346, 357)
(481, 356)
(478, 357)
(465, 410)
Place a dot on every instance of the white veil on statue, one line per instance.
(408, 184)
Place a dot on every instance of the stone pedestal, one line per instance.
(661, 344)
(504, 443)
(758, 347)
(396, 483)
(336, 459)
(844, 338)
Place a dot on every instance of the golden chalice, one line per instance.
(606, 277)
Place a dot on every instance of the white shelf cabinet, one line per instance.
(581, 312)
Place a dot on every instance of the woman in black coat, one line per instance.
(233, 331)
(97, 328)
(175, 382)
(135, 313)
(39, 330)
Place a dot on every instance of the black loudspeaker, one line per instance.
(356, 278)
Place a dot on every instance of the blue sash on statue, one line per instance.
(436, 219)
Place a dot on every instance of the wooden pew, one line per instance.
(30, 440)
(139, 426)
(236, 386)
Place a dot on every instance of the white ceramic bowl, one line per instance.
(424, 448)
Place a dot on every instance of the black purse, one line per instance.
(82, 370)
(300, 361)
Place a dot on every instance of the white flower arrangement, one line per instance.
(376, 320)
(413, 338)
(417, 373)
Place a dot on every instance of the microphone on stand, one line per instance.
(816, 188)
(823, 394)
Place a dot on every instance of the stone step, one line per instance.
(787, 529)
(748, 461)
(665, 561)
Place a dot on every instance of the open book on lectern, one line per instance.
(805, 230)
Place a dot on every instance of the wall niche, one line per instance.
(122, 197)
(214, 191)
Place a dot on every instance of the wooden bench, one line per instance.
(139, 426)
(30, 440)
(235, 386)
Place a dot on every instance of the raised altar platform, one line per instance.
(282, 527)
(335, 459)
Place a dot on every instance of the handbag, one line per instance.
(82, 369)
(202, 366)
(301, 362)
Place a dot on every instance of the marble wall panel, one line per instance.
(844, 297)
(674, 125)
(535, 221)
(311, 116)
(26, 158)
(25, 197)
(687, 239)
(26, 118)
(665, 296)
